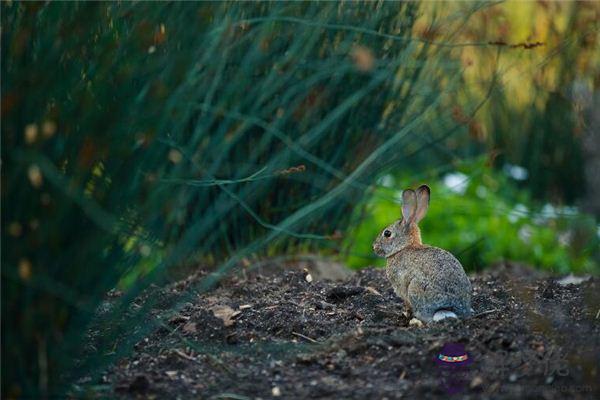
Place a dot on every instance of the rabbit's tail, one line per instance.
(443, 314)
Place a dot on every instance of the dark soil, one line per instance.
(282, 336)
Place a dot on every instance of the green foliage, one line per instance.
(480, 216)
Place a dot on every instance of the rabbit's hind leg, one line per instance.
(430, 305)
(418, 297)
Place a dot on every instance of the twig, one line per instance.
(173, 330)
(294, 303)
(216, 360)
(305, 337)
(487, 312)
(187, 357)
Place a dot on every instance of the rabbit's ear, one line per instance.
(409, 205)
(423, 193)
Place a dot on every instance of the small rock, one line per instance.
(572, 280)
(308, 278)
(476, 382)
(276, 391)
(323, 305)
(190, 327)
(512, 378)
(224, 313)
(416, 323)
(171, 374)
(494, 386)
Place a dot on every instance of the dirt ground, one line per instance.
(283, 335)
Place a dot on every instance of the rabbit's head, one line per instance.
(405, 231)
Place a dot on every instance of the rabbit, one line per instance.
(430, 281)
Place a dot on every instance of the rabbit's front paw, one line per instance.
(416, 323)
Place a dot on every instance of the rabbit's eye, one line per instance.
(387, 233)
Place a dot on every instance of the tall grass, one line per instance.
(136, 137)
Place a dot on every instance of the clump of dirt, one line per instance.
(288, 335)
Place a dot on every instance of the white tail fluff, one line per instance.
(443, 314)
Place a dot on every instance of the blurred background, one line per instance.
(140, 140)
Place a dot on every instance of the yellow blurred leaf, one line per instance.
(363, 58)
(35, 176)
(24, 269)
(31, 133)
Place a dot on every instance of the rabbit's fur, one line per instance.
(430, 280)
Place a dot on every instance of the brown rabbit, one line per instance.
(430, 280)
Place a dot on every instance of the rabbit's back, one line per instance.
(430, 279)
